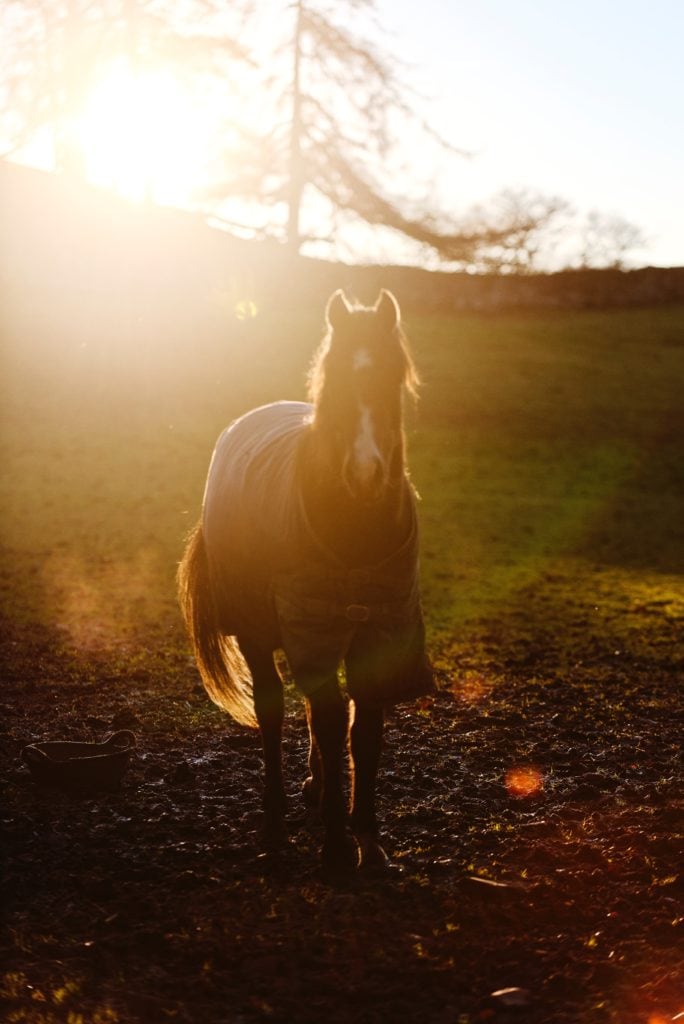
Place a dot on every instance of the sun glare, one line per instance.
(142, 136)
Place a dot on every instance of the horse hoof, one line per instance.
(373, 859)
(339, 859)
(273, 832)
(311, 792)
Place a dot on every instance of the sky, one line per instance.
(579, 99)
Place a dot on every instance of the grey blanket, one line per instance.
(273, 579)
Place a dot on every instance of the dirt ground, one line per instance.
(154, 902)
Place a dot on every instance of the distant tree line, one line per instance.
(326, 150)
(542, 232)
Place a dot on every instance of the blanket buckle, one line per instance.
(357, 612)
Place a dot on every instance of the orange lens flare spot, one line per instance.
(524, 781)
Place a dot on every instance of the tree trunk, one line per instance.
(296, 184)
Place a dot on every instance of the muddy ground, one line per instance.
(154, 902)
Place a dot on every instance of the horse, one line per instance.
(308, 543)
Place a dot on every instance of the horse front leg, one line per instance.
(269, 706)
(329, 720)
(366, 745)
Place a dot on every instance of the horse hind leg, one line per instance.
(270, 711)
(366, 744)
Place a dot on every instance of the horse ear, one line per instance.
(337, 310)
(387, 309)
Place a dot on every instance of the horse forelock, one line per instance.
(360, 347)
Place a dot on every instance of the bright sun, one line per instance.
(141, 134)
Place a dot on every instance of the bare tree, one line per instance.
(341, 111)
(328, 151)
(530, 225)
(606, 240)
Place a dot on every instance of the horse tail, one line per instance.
(224, 671)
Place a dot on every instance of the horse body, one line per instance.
(308, 542)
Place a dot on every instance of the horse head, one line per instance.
(357, 382)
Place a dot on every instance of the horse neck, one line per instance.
(357, 532)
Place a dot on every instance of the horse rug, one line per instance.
(273, 579)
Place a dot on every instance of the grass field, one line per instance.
(547, 450)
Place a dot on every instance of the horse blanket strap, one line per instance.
(272, 577)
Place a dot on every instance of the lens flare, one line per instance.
(523, 781)
(245, 309)
(101, 608)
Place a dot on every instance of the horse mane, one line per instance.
(317, 372)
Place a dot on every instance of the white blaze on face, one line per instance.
(367, 455)
(362, 359)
